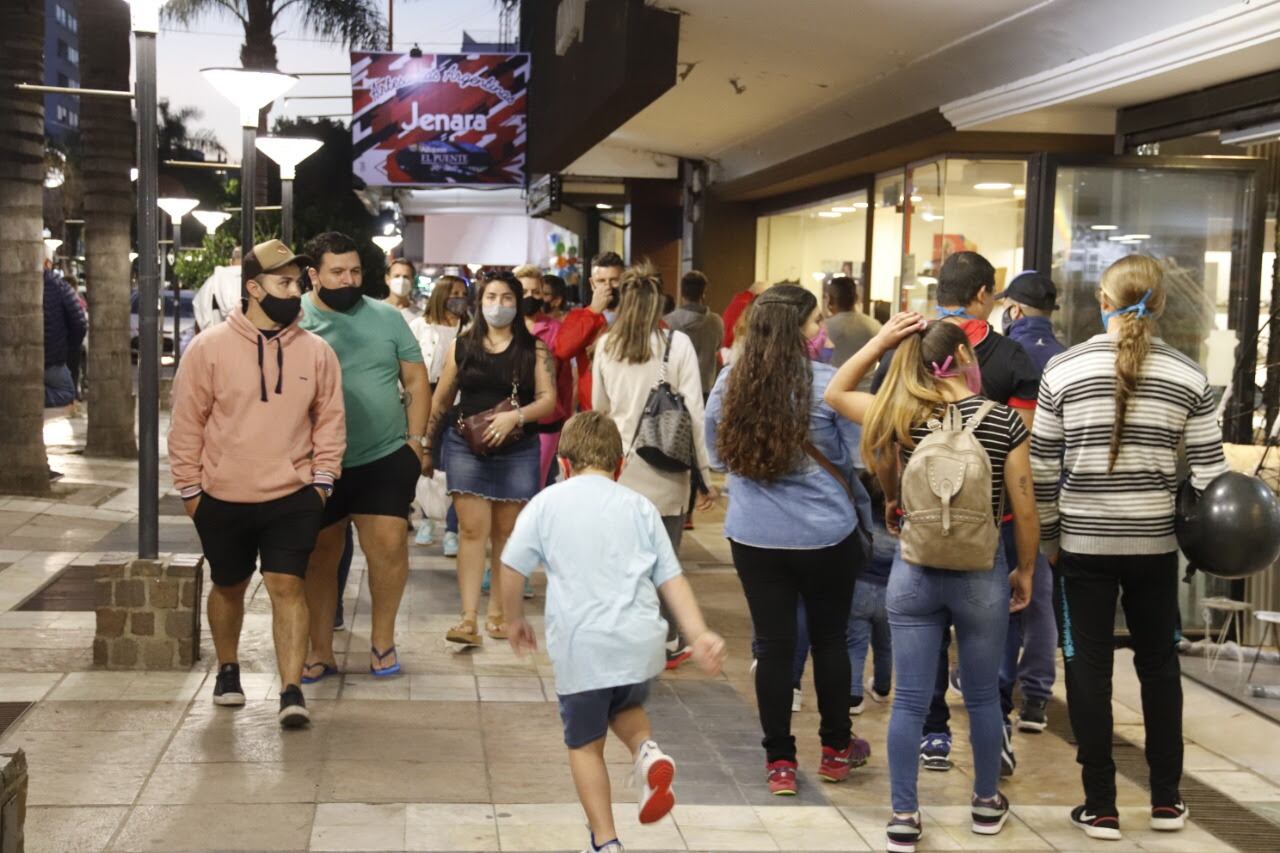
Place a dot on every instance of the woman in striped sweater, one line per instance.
(1104, 452)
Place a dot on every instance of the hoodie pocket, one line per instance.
(253, 479)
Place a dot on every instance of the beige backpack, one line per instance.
(945, 496)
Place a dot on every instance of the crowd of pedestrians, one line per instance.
(889, 487)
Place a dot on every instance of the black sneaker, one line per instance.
(226, 689)
(293, 708)
(1007, 762)
(989, 815)
(935, 751)
(1169, 818)
(1105, 826)
(1033, 717)
(903, 833)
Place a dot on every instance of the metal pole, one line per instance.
(148, 301)
(391, 24)
(177, 290)
(286, 212)
(248, 177)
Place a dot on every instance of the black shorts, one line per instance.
(282, 531)
(382, 487)
(587, 715)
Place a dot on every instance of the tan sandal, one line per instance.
(465, 632)
(496, 628)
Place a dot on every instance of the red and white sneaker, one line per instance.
(655, 771)
(782, 778)
(836, 764)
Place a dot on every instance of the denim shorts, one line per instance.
(508, 475)
(586, 716)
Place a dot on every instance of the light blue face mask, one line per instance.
(943, 313)
(1139, 308)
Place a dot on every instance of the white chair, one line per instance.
(1270, 619)
(1234, 612)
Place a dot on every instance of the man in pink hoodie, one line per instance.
(255, 443)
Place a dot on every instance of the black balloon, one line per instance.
(1232, 530)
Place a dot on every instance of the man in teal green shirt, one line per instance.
(379, 356)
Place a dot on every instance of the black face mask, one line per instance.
(531, 305)
(282, 310)
(340, 298)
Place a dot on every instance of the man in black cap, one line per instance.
(1030, 300)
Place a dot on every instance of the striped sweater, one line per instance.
(1083, 508)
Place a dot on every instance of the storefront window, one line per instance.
(810, 245)
(1192, 221)
(886, 240)
(961, 205)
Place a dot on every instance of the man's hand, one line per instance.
(419, 452)
(600, 297)
(191, 504)
(428, 463)
(709, 652)
(1020, 585)
(707, 499)
(520, 635)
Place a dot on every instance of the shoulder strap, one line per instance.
(666, 353)
(976, 420)
(827, 465)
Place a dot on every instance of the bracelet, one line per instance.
(520, 417)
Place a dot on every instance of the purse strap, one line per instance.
(827, 465)
(666, 356)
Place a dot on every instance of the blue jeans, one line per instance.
(869, 626)
(59, 390)
(921, 602)
(1033, 632)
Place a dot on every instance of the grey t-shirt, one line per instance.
(849, 332)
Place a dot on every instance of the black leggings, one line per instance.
(773, 578)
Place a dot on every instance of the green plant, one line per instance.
(194, 266)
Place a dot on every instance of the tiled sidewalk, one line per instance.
(465, 751)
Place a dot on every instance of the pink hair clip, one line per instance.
(944, 370)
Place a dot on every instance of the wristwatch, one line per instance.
(420, 439)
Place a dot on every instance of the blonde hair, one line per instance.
(640, 308)
(527, 271)
(591, 440)
(1126, 283)
(910, 394)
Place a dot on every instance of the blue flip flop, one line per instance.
(328, 671)
(394, 669)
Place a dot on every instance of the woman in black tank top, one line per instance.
(493, 360)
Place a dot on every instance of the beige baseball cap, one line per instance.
(269, 256)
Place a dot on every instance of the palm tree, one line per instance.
(108, 142)
(23, 468)
(353, 22)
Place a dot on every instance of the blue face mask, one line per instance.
(1139, 308)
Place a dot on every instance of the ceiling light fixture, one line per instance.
(1019, 192)
(828, 214)
(1104, 227)
(1137, 236)
(993, 185)
(861, 205)
(846, 209)
(602, 206)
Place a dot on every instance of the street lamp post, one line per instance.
(250, 91)
(176, 208)
(146, 23)
(287, 152)
(211, 219)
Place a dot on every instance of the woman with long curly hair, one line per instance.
(791, 525)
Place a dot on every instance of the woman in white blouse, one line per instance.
(627, 365)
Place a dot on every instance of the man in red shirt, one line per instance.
(583, 325)
(737, 305)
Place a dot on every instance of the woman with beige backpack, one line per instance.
(946, 458)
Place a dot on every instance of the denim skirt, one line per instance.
(509, 475)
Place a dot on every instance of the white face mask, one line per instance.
(401, 286)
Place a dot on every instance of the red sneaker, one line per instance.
(836, 764)
(678, 656)
(782, 778)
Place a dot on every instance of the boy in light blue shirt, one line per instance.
(605, 636)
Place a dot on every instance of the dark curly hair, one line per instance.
(770, 388)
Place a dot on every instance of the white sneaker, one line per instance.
(450, 544)
(797, 699)
(879, 697)
(654, 772)
(752, 669)
(426, 534)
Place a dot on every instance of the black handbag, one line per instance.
(664, 433)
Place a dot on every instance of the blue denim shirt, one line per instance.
(806, 508)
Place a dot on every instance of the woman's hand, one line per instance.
(707, 499)
(899, 327)
(1020, 586)
(501, 426)
(891, 522)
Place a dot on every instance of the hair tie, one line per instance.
(943, 371)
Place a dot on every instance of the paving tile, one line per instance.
(26, 686)
(232, 782)
(365, 686)
(458, 827)
(106, 785)
(358, 826)
(1240, 785)
(125, 715)
(809, 828)
(723, 828)
(81, 749)
(441, 781)
(443, 687)
(169, 829)
(870, 822)
(71, 830)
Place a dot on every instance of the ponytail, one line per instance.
(1134, 285)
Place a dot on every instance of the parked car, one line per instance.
(186, 324)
